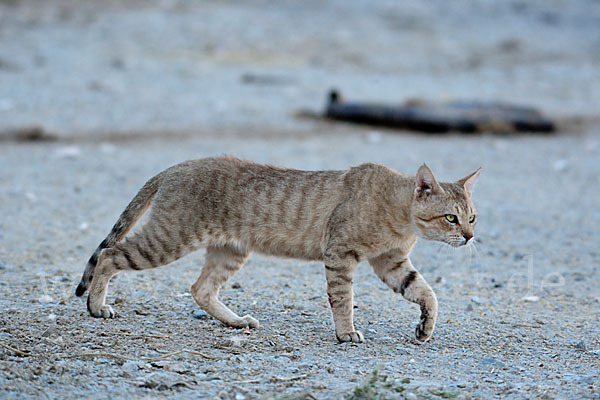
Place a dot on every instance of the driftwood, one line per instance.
(461, 116)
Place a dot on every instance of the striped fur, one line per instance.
(232, 207)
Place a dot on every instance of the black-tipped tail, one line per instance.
(88, 273)
(81, 289)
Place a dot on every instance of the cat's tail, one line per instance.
(132, 214)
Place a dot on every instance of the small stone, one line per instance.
(45, 299)
(239, 396)
(31, 197)
(374, 137)
(478, 300)
(561, 165)
(491, 362)
(581, 346)
(236, 285)
(49, 331)
(69, 152)
(410, 396)
(371, 331)
(130, 367)
(530, 299)
(52, 317)
(200, 314)
(469, 307)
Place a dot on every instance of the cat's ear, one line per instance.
(425, 182)
(469, 182)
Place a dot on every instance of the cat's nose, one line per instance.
(468, 236)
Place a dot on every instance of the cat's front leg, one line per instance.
(339, 271)
(395, 270)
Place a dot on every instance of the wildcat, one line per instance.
(232, 207)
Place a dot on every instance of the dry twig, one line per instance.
(119, 357)
(19, 352)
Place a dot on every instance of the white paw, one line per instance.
(251, 322)
(103, 312)
(354, 337)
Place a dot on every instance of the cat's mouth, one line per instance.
(460, 242)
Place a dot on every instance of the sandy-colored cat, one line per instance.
(232, 207)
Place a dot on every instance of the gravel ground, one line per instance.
(518, 316)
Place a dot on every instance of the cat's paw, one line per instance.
(103, 312)
(423, 332)
(251, 322)
(354, 337)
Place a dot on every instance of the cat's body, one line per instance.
(232, 207)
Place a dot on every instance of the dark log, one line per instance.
(460, 116)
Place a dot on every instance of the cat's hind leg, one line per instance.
(395, 270)
(151, 247)
(222, 262)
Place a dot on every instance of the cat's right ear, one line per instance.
(425, 183)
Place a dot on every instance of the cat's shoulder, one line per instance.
(373, 169)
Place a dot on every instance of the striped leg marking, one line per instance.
(400, 275)
(143, 250)
(339, 274)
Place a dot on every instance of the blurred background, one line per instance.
(93, 68)
(98, 96)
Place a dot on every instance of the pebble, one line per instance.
(469, 307)
(45, 299)
(374, 137)
(491, 362)
(478, 300)
(31, 197)
(130, 367)
(530, 299)
(49, 331)
(200, 314)
(581, 346)
(561, 165)
(68, 152)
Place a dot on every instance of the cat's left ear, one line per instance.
(469, 182)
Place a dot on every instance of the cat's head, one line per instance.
(444, 211)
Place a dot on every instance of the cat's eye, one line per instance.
(472, 219)
(451, 218)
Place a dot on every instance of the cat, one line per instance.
(340, 217)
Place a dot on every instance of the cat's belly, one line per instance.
(304, 247)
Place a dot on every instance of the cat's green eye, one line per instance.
(451, 218)
(472, 219)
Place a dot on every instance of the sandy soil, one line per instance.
(130, 90)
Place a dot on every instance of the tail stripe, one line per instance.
(133, 212)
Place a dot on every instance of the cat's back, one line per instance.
(279, 211)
